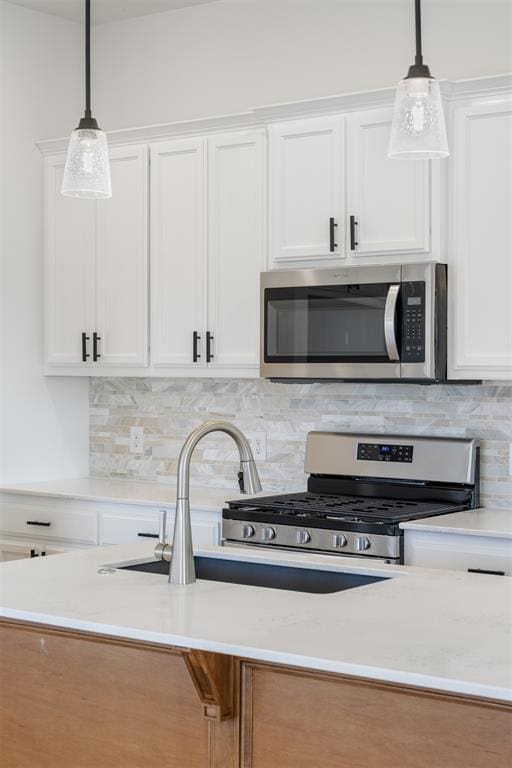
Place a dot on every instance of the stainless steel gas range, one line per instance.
(360, 488)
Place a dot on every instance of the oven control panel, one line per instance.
(384, 452)
(413, 322)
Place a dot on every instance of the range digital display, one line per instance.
(384, 452)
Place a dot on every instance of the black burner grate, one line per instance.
(341, 507)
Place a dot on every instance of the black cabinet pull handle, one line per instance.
(85, 354)
(209, 339)
(332, 243)
(195, 338)
(36, 522)
(95, 354)
(484, 570)
(353, 225)
(148, 535)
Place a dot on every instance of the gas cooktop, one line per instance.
(360, 488)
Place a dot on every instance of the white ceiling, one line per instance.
(106, 10)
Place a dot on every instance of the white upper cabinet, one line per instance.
(480, 276)
(388, 201)
(306, 192)
(70, 234)
(178, 252)
(96, 266)
(236, 247)
(207, 252)
(122, 262)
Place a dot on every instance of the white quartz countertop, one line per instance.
(125, 492)
(474, 522)
(435, 629)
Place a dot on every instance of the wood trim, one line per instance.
(246, 715)
(250, 664)
(264, 114)
(214, 679)
(77, 634)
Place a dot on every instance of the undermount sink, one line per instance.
(264, 575)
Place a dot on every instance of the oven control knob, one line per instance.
(267, 534)
(303, 537)
(339, 540)
(362, 544)
(247, 531)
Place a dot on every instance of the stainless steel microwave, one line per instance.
(360, 323)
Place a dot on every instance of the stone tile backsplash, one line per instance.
(168, 409)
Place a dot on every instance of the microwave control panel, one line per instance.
(413, 322)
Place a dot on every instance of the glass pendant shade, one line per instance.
(87, 169)
(418, 128)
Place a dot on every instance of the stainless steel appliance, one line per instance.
(362, 322)
(360, 488)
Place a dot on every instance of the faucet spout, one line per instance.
(182, 569)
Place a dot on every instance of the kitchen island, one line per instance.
(109, 667)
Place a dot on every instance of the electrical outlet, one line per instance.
(136, 439)
(259, 445)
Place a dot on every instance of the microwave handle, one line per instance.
(389, 322)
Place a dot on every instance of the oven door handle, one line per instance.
(390, 323)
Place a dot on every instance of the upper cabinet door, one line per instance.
(480, 277)
(307, 184)
(389, 200)
(178, 251)
(122, 262)
(236, 246)
(70, 233)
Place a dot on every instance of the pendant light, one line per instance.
(87, 169)
(418, 128)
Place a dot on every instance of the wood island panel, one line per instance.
(301, 719)
(76, 700)
(72, 700)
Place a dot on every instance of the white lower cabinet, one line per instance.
(32, 525)
(124, 524)
(458, 552)
(45, 520)
(480, 263)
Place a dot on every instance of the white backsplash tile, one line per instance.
(168, 409)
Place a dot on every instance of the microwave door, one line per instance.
(330, 331)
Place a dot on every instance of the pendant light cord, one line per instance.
(87, 58)
(417, 14)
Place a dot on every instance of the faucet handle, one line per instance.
(162, 525)
(163, 550)
(241, 481)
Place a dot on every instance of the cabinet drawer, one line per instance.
(123, 527)
(458, 552)
(18, 550)
(45, 523)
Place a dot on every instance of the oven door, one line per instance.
(331, 323)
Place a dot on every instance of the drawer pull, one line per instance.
(36, 522)
(485, 570)
(37, 552)
(148, 535)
